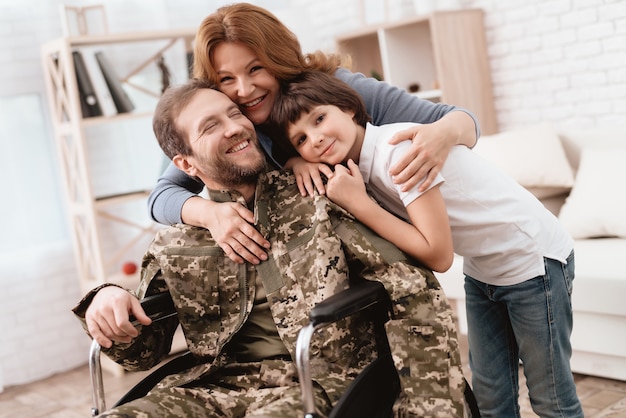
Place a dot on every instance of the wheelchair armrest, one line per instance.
(356, 298)
(157, 307)
(370, 296)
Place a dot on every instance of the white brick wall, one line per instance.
(39, 334)
(558, 61)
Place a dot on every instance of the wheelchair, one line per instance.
(365, 397)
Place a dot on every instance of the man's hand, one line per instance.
(108, 315)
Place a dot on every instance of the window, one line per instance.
(32, 201)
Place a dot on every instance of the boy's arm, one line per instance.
(428, 239)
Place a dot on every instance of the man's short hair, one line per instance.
(171, 138)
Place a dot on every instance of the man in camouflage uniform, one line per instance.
(241, 321)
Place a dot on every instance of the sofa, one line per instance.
(580, 176)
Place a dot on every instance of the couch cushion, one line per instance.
(575, 140)
(596, 206)
(533, 156)
(600, 282)
(599, 285)
(598, 346)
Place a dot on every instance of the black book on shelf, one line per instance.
(190, 64)
(100, 87)
(120, 98)
(88, 100)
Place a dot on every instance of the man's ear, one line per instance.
(183, 164)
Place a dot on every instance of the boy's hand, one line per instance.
(309, 175)
(345, 186)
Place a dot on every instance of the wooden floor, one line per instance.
(68, 395)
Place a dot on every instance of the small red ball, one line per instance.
(129, 267)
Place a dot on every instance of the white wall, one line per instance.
(558, 61)
(555, 61)
(39, 335)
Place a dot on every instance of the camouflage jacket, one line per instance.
(316, 249)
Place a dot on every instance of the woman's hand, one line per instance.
(424, 159)
(431, 144)
(346, 188)
(231, 226)
(308, 175)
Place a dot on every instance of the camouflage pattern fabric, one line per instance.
(259, 389)
(316, 249)
(422, 335)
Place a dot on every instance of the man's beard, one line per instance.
(229, 174)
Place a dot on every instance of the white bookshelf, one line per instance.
(98, 258)
(445, 52)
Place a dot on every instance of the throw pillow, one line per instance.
(596, 206)
(533, 156)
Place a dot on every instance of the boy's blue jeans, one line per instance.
(532, 322)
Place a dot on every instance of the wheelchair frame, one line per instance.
(364, 397)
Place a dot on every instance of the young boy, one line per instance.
(518, 260)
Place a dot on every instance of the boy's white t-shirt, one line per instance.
(502, 231)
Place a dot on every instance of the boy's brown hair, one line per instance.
(302, 94)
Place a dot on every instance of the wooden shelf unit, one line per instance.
(445, 52)
(95, 265)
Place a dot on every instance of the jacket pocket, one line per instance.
(199, 280)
